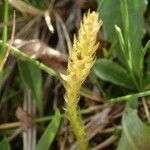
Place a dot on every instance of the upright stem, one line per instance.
(78, 126)
(79, 64)
(4, 33)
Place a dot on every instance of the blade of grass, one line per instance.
(122, 44)
(126, 23)
(125, 19)
(127, 55)
(50, 132)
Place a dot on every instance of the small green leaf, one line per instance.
(4, 145)
(136, 135)
(50, 132)
(121, 41)
(112, 72)
(105, 53)
(32, 79)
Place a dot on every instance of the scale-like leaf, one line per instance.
(136, 135)
(112, 72)
(50, 132)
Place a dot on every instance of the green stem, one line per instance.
(128, 97)
(22, 55)
(5, 30)
(44, 119)
(78, 126)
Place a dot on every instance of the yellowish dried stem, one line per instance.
(79, 64)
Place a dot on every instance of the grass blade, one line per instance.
(49, 134)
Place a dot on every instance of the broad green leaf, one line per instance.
(136, 135)
(4, 145)
(112, 72)
(110, 14)
(115, 12)
(50, 132)
(32, 79)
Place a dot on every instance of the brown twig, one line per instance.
(25, 8)
(69, 44)
(10, 23)
(92, 97)
(14, 135)
(110, 130)
(10, 125)
(28, 26)
(106, 143)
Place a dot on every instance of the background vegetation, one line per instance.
(34, 48)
